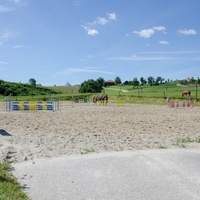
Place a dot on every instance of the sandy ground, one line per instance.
(85, 128)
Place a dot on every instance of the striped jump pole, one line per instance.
(37, 105)
(173, 104)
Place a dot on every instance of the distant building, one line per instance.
(126, 83)
(110, 82)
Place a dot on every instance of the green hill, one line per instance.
(155, 94)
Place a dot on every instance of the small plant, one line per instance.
(182, 146)
(162, 147)
(180, 141)
(184, 140)
(86, 151)
(121, 148)
(198, 140)
(9, 187)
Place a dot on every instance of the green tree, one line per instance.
(90, 86)
(151, 80)
(136, 82)
(159, 80)
(101, 81)
(118, 80)
(1, 81)
(192, 80)
(143, 81)
(68, 84)
(198, 80)
(32, 81)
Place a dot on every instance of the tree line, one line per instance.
(97, 85)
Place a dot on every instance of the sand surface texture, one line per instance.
(130, 152)
(86, 128)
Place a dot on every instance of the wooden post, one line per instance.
(196, 91)
(164, 94)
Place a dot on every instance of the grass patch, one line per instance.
(197, 140)
(184, 140)
(119, 148)
(87, 150)
(181, 141)
(162, 147)
(9, 187)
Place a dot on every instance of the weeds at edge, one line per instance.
(87, 150)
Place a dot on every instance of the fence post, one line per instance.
(9, 103)
(196, 91)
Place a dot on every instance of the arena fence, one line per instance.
(174, 104)
(11, 105)
(120, 102)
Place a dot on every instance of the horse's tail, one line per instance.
(94, 99)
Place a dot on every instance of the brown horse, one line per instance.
(96, 99)
(186, 93)
(102, 99)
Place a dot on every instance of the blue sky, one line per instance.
(69, 41)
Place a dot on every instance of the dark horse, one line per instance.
(102, 99)
(186, 93)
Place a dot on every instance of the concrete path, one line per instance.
(145, 175)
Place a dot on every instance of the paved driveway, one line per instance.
(145, 175)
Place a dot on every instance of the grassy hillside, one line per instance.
(64, 89)
(145, 94)
(160, 91)
(20, 89)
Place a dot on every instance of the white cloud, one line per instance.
(91, 56)
(102, 21)
(187, 32)
(198, 58)
(147, 33)
(20, 2)
(170, 52)
(86, 69)
(5, 9)
(88, 57)
(5, 35)
(15, 1)
(137, 58)
(164, 42)
(77, 3)
(111, 16)
(18, 46)
(159, 28)
(91, 31)
(3, 63)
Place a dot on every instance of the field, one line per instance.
(86, 128)
(155, 95)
